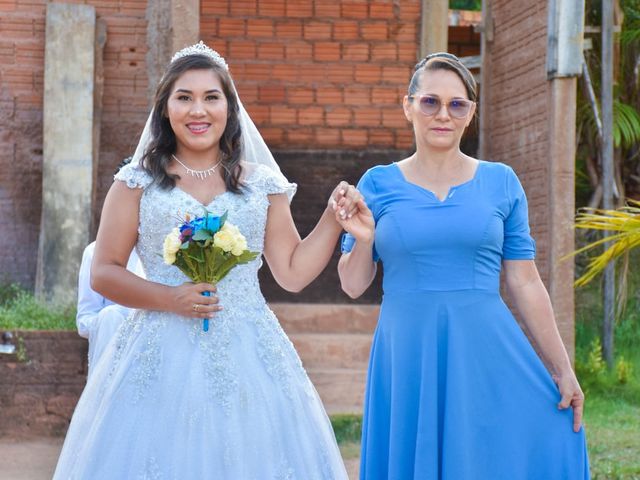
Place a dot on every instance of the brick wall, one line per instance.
(22, 41)
(517, 114)
(320, 74)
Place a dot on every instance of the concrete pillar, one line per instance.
(69, 146)
(562, 92)
(172, 25)
(434, 27)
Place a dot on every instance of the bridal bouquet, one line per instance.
(206, 248)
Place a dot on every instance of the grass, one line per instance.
(613, 435)
(19, 309)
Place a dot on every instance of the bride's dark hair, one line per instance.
(157, 155)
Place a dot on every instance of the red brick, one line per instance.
(337, 116)
(285, 72)
(218, 7)
(283, 115)
(259, 113)
(272, 8)
(346, 30)
(341, 73)
(271, 93)
(384, 51)
(397, 75)
(408, 53)
(405, 138)
(244, 7)
(298, 50)
(317, 31)
(232, 27)
(311, 115)
(300, 136)
(355, 9)
(374, 31)
(329, 137)
(355, 138)
(394, 117)
(257, 27)
(326, 9)
(403, 32)
(271, 51)
(253, 71)
(239, 49)
(299, 8)
(357, 95)
(300, 95)
(273, 136)
(385, 96)
(312, 73)
(367, 117)
(248, 93)
(410, 10)
(326, 51)
(384, 10)
(329, 95)
(289, 29)
(367, 73)
(357, 52)
(382, 137)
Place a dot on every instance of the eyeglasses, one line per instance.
(431, 105)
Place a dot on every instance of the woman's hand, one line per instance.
(352, 213)
(188, 300)
(572, 396)
(343, 200)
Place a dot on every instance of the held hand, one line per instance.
(188, 300)
(572, 396)
(360, 224)
(344, 199)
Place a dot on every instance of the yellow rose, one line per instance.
(224, 240)
(171, 246)
(239, 242)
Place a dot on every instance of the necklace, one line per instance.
(201, 174)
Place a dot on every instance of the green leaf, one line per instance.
(202, 235)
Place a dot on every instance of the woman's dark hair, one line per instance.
(444, 61)
(157, 156)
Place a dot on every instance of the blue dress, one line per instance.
(455, 390)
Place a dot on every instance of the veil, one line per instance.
(254, 148)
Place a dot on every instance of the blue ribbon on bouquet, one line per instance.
(205, 322)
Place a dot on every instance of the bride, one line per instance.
(168, 400)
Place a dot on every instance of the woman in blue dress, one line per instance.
(455, 390)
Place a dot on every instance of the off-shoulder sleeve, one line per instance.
(367, 188)
(518, 243)
(134, 176)
(269, 182)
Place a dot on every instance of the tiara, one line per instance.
(201, 49)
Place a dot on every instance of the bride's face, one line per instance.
(197, 110)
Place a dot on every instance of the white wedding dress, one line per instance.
(170, 401)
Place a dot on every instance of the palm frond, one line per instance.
(624, 225)
(626, 125)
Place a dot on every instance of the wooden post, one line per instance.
(69, 147)
(607, 172)
(434, 32)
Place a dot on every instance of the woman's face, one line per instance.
(440, 130)
(197, 110)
